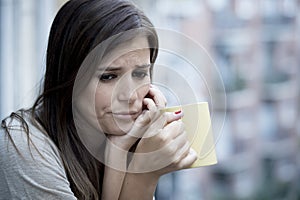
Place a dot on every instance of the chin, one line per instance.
(117, 128)
(117, 132)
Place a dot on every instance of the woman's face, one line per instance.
(118, 89)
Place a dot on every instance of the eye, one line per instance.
(107, 77)
(140, 74)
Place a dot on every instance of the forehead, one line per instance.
(139, 56)
(135, 44)
(133, 51)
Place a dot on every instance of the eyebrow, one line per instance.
(143, 66)
(113, 68)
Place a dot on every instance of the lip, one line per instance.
(126, 115)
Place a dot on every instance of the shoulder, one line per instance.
(18, 134)
(31, 165)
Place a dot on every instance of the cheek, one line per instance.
(85, 101)
(143, 91)
(102, 98)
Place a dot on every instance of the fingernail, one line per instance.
(192, 151)
(177, 112)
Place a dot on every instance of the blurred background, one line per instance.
(255, 45)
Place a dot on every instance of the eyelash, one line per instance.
(140, 74)
(109, 76)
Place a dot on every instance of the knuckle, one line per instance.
(185, 136)
(170, 150)
(156, 133)
(179, 164)
(180, 124)
(144, 119)
(177, 126)
(164, 118)
(164, 115)
(163, 139)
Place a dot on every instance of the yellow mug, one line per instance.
(198, 128)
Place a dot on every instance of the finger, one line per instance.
(172, 116)
(185, 148)
(149, 104)
(187, 160)
(123, 142)
(184, 158)
(165, 118)
(182, 144)
(175, 149)
(174, 129)
(145, 120)
(162, 121)
(141, 124)
(158, 97)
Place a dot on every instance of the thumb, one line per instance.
(137, 131)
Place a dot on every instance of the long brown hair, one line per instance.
(79, 26)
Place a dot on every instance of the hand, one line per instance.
(157, 96)
(118, 146)
(142, 122)
(164, 147)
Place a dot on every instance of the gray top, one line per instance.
(32, 174)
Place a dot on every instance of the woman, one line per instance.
(96, 114)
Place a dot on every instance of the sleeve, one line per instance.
(35, 171)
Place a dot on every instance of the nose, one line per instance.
(127, 89)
